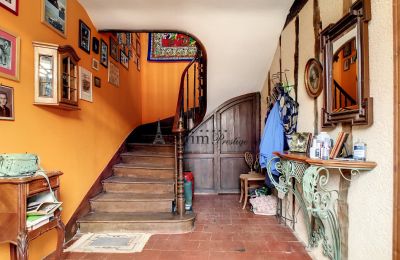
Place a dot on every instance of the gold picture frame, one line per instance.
(49, 16)
(9, 55)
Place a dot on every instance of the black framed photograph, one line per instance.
(84, 36)
(347, 49)
(124, 59)
(95, 45)
(10, 5)
(6, 103)
(54, 15)
(103, 53)
(97, 82)
(114, 49)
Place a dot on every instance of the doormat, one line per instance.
(110, 243)
(171, 47)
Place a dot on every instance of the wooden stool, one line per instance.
(244, 184)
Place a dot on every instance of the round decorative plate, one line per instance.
(313, 78)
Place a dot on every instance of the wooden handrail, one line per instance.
(179, 119)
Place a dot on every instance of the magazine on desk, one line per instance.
(42, 204)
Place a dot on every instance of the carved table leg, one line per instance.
(246, 193)
(60, 238)
(22, 246)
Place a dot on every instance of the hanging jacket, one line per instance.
(273, 138)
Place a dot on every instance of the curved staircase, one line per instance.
(140, 195)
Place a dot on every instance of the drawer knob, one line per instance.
(44, 184)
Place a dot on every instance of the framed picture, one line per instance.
(85, 84)
(84, 36)
(353, 59)
(113, 74)
(54, 15)
(103, 53)
(347, 49)
(97, 82)
(95, 64)
(9, 55)
(6, 103)
(95, 45)
(138, 47)
(346, 64)
(124, 60)
(114, 49)
(10, 5)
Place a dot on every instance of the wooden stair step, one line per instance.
(140, 171)
(149, 154)
(144, 222)
(131, 202)
(149, 158)
(151, 147)
(138, 185)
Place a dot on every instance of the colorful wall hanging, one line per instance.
(171, 47)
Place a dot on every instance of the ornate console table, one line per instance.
(325, 211)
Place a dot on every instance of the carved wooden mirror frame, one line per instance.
(358, 16)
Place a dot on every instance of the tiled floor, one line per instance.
(222, 231)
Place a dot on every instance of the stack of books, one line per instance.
(40, 210)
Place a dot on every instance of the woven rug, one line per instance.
(171, 47)
(110, 243)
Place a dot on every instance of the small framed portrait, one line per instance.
(346, 64)
(54, 15)
(103, 53)
(84, 36)
(95, 64)
(138, 48)
(347, 49)
(113, 49)
(353, 59)
(113, 74)
(124, 60)
(9, 55)
(95, 45)
(6, 103)
(10, 5)
(97, 82)
(85, 84)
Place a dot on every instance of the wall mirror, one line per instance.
(345, 48)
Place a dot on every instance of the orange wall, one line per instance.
(79, 143)
(160, 85)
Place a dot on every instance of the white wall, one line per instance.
(370, 197)
(239, 36)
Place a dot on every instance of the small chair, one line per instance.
(245, 180)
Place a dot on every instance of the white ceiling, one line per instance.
(240, 36)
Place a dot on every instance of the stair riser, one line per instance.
(156, 161)
(131, 206)
(167, 227)
(154, 188)
(156, 149)
(144, 173)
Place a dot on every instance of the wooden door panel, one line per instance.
(214, 150)
(231, 168)
(202, 169)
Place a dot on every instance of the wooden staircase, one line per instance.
(139, 196)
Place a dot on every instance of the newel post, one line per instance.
(181, 199)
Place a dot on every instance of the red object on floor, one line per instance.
(188, 176)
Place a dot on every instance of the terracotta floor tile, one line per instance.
(223, 231)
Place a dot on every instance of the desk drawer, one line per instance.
(42, 185)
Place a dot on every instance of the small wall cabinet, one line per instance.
(56, 75)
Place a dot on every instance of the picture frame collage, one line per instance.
(54, 15)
